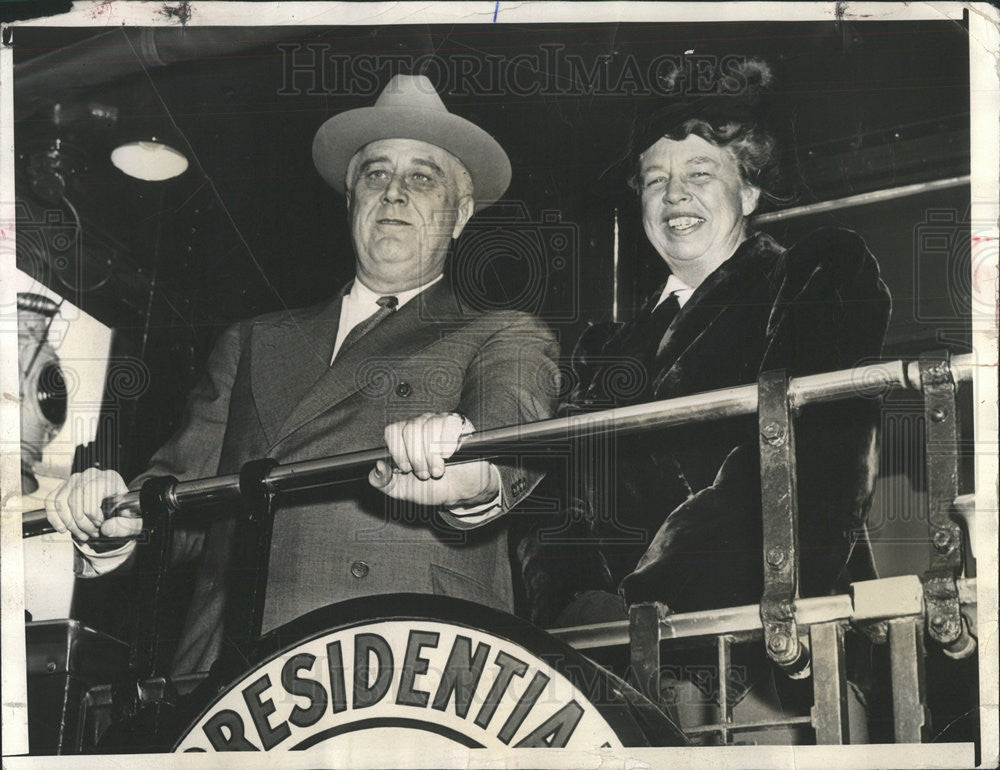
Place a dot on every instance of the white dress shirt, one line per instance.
(360, 303)
(678, 288)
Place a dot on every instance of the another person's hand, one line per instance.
(419, 448)
(75, 506)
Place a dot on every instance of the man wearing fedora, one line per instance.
(395, 357)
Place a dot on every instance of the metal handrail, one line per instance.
(870, 380)
(870, 600)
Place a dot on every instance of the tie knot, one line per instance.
(389, 302)
(670, 303)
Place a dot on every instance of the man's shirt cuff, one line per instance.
(476, 515)
(90, 563)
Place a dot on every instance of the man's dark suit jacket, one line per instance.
(691, 496)
(270, 391)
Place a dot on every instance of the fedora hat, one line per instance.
(410, 108)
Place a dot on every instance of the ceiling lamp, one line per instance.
(151, 161)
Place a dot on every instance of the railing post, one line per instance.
(152, 566)
(644, 649)
(724, 649)
(829, 675)
(254, 527)
(906, 652)
(779, 510)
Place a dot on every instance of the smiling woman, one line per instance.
(694, 205)
(735, 305)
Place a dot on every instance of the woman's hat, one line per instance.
(716, 110)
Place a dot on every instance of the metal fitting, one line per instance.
(773, 434)
(942, 541)
(776, 557)
(944, 629)
(778, 643)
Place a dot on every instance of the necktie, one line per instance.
(642, 343)
(387, 306)
(665, 313)
(663, 316)
(650, 326)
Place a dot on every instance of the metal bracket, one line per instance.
(255, 524)
(152, 563)
(942, 462)
(944, 619)
(779, 508)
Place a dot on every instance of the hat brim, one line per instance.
(339, 138)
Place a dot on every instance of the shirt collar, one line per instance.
(675, 285)
(363, 296)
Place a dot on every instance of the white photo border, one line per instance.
(984, 44)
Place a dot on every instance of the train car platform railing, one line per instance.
(806, 635)
(800, 635)
(897, 603)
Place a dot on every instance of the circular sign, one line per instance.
(428, 671)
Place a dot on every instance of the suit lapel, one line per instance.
(631, 337)
(287, 357)
(402, 334)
